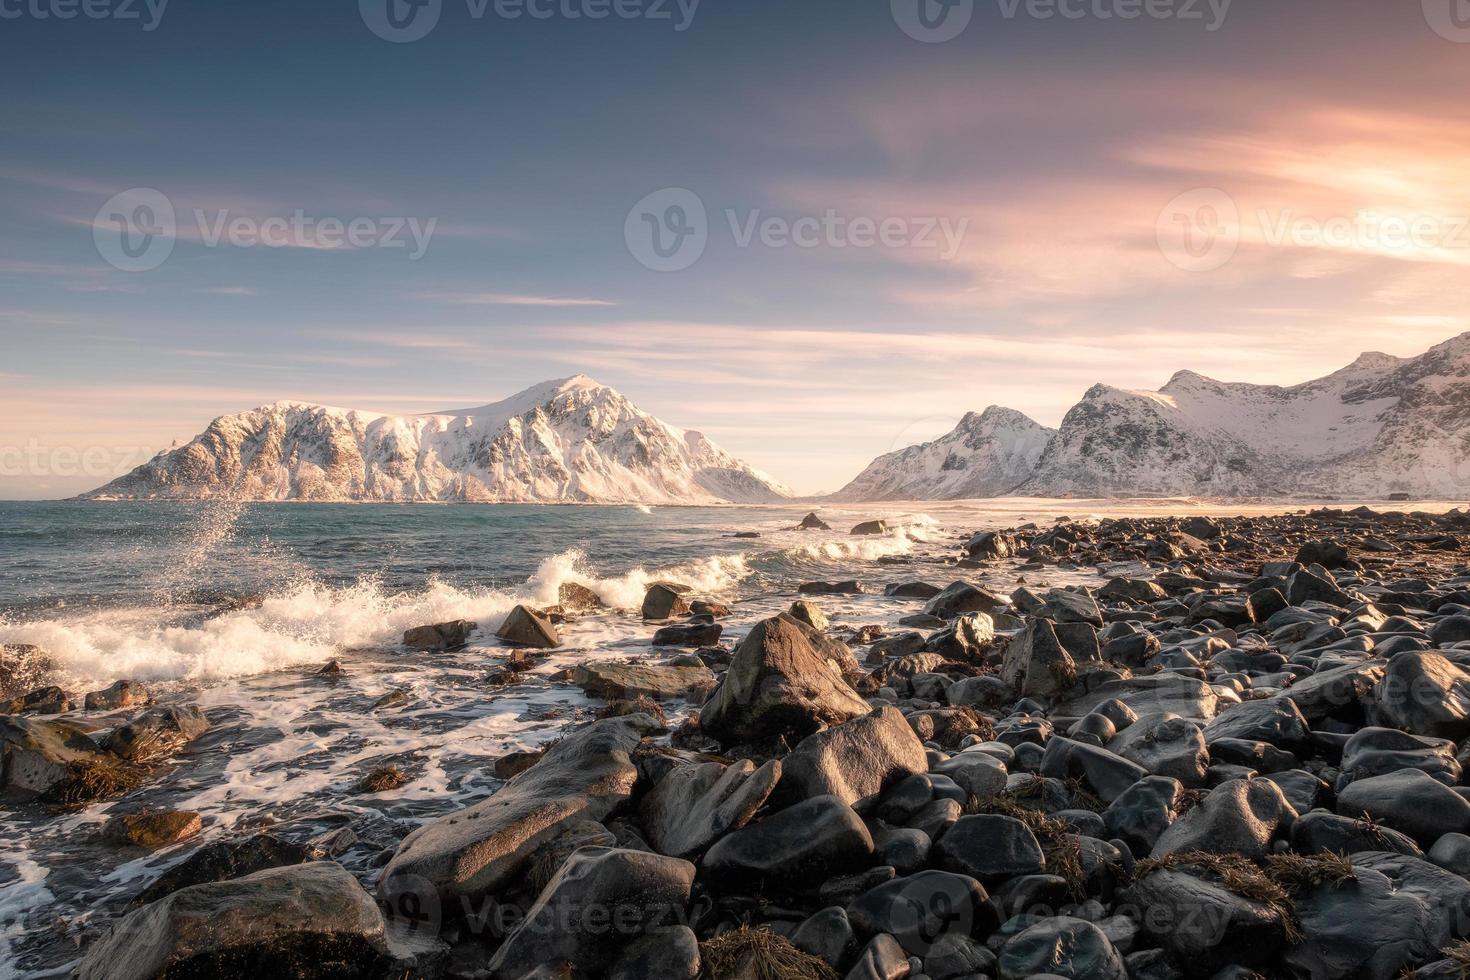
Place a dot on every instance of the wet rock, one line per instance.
(634, 889)
(897, 645)
(807, 842)
(23, 667)
(662, 601)
(827, 935)
(778, 684)
(1410, 801)
(576, 598)
(1275, 720)
(157, 733)
(669, 954)
(154, 830)
(882, 959)
(964, 639)
(921, 908)
(481, 849)
(42, 701)
(990, 847)
(620, 681)
(440, 636)
(1106, 774)
(1062, 947)
(1335, 690)
(911, 590)
(280, 922)
(1380, 751)
(1036, 664)
(962, 597)
(812, 522)
(1165, 745)
(992, 544)
(1320, 832)
(1073, 607)
(223, 860)
(855, 761)
(1237, 817)
(1141, 814)
(805, 611)
(979, 774)
(688, 635)
(871, 527)
(848, 587)
(692, 806)
(1363, 927)
(1203, 924)
(1422, 693)
(525, 627)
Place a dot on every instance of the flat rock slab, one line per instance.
(695, 805)
(483, 848)
(275, 923)
(614, 681)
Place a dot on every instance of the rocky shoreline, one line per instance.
(1241, 756)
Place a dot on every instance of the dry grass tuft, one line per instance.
(968, 721)
(1296, 871)
(96, 780)
(756, 954)
(382, 779)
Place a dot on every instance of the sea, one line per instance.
(235, 607)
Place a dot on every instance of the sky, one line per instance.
(816, 230)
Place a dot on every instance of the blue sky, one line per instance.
(1051, 150)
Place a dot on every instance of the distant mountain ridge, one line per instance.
(566, 441)
(1381, 425)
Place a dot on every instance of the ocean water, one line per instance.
(151, 592)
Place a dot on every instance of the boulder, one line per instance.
(812, 522)
(1141, 813)
(575, 597)
(669, 954)
(795, 847)
(23, 667)
(688, 635)
(482, 849)
(281, 922)
(157, 733)
(1328, 692)
(1165, 745)
(122, 694)
(1237, 817)
(921, 908)
(828, 935)
(568, 926)
(1423, 693)
(1275, 720)
(805, 611)
(1061, 947)
(911, 590)
(223, 860)
(1106, 774)
(992, 544)
(692, 806)
(855, 761)
(871, 527)
(154, 830)
(1380, 751)
(1036, 664)
(778, 685)
(1202, 923)
(962, 597)
(1411, 801)
(440, 636)
(990, 847)
(42, 701)
(1328, 554)
(1163, 693)
(1321, 831)
(613, 681)
(662, 601)
(525, 627)
(39, 756)
(1362, 928)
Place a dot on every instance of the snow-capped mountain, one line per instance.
(1379, 426)
(986, 455)
(572, 440)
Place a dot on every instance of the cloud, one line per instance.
(510, 299)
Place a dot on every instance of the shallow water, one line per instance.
(124, 590)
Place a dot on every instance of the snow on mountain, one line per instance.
(572, 440)
(986, 455)
(1379, 426)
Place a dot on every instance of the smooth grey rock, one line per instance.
(921, 908)
(157, 733)
(527, 627)
(855, 761)
(1141, 814)
(1063, 947)
(613, 681)
(1275, 720)
(1106, 774)
(1202, 924)
(1165, 745)
(1410, 801)
(990, 847)
(828, 935)
(1423, 693)
(1236, 817)
(693, 806)
(669, 954)
(810, 841)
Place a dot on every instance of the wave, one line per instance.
(303, 621)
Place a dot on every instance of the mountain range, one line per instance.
(566, 441)
(1380, 426)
